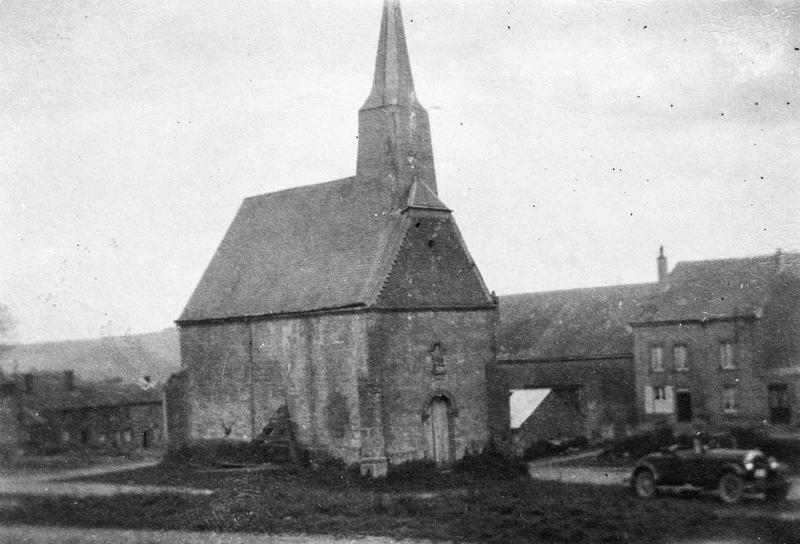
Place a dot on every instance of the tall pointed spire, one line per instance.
(393, 81)
(394, 140)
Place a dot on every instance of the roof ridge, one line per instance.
(578, 289)
(388, 259)
(741, 259)
(300, 187)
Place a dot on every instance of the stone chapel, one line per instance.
(353, 304)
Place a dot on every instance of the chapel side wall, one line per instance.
(401, 344)
(217, 362)
(313, 365)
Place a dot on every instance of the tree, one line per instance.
(7, 324)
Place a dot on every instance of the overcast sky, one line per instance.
(571, 138)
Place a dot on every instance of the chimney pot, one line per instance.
(662, 265)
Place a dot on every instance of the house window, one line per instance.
(657, 359)
(681, 355)
(726, 355)
(780, 404)
(659, 400)
(729, 402)
(126, 436)
(65, 436)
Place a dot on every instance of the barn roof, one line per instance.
(717, 289)
(571, 324)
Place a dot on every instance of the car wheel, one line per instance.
(644, 483)
(730, 488)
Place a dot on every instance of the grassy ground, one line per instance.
(454, 506)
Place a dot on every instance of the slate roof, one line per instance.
(51, 393)
(420, 196)
(718, 289)
(308, 248)
(128, 357)
(571, 324)
(317, 247)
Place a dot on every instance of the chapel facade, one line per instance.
(353, 305)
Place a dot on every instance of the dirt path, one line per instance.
(63, 535)
(52, 483)
(54, 475)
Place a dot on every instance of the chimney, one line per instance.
(69, 379)
(662, 265)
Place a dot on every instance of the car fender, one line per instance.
(732, 467)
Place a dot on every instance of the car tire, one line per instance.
(730, 488)
(644, 483)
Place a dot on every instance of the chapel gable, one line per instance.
(433, 268)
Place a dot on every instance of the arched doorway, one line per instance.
(437, 431)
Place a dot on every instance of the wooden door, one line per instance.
(439, 431)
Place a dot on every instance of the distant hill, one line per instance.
(128, 357)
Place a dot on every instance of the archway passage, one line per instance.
(437, 431)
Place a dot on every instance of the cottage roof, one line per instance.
(51, 393)
(718, 289)
(571, 324)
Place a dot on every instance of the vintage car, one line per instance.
(731, 472)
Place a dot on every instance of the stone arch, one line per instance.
(438, 427)
(436, 393)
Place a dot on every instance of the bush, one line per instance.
(549, 448)
(222, 451)
(490, 462)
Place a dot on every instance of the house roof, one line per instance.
(571, 324)
(51, 393)
(717, 289)
(309, 248)
(129, 357)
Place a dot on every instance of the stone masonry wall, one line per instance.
(401, 350)
(311, 364)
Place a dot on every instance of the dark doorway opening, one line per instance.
(683, 402)
(780, 406)
(145, 440)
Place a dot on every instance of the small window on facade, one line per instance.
(680, 354)
(726, 355)
(65, 436)
(729, 403)
(126, 436)
(659, 400)
(84, 436)
(657, 359)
